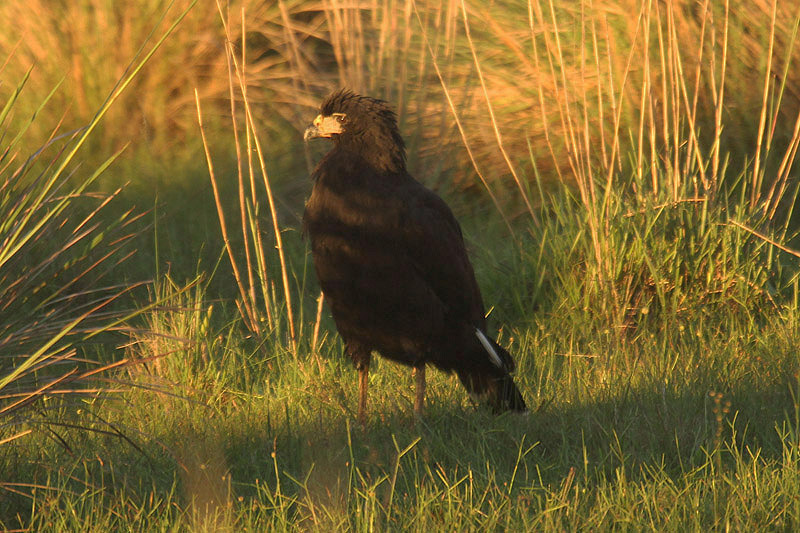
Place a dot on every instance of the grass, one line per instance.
(263, 440)
(633, 242)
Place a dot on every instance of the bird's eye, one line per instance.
(339, 117)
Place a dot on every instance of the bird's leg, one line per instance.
(363, 374)
(361, 357)
(419, 378)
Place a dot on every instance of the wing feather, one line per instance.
(434, 243)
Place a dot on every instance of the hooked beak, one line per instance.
(324, 127)
(312, 132)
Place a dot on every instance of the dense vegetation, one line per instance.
(627, 189)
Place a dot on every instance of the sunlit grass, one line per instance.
(626, 70)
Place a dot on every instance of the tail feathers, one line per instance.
(508, 361)
(498, 391)
(486, 374)
(496, 353)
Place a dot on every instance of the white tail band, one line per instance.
(489, 348)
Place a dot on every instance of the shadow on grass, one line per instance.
(298, 457)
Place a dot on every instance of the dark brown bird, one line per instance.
(391, 260)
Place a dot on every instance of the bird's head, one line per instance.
(361, 124)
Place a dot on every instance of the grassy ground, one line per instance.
(633, 245)
(688, 428)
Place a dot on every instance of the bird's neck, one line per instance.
(383, 154)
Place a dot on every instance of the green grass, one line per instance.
(639, 270)
(685, 429)
(684, 419)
